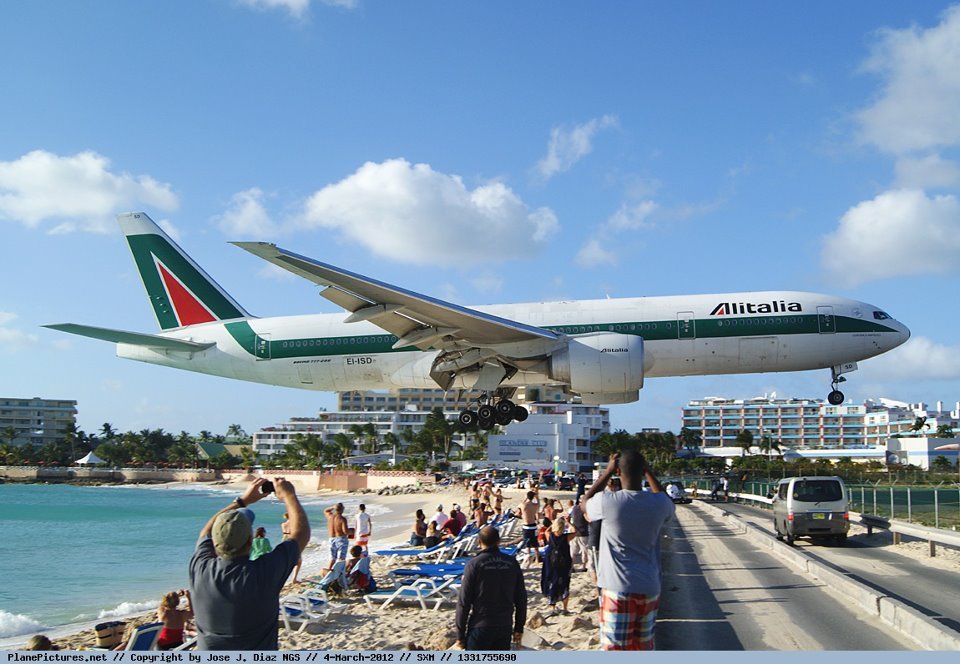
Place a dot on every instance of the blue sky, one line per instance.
(478, 152)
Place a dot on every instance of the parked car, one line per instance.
(567, 483)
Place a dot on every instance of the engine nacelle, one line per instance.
(603, 368)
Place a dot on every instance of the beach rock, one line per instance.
(441, 640)
(593, 641)
(533, 640)
(575, 623)
(535, 620)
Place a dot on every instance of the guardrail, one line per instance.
(933, 536)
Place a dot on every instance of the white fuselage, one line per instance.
(683, 336)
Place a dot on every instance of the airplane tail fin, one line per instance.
(180, 292)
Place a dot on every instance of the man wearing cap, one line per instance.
(440, 518)
(236, 600)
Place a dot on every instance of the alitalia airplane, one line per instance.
(600, 350)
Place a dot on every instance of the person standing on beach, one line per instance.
(285, 532)
(629, 568)
(492, 604)
(337, 529)
(236, 600)
(528, 511)
(364, 527)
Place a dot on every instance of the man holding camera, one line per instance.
(236, 600)
(628, 569)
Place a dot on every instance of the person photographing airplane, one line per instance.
(628, 570)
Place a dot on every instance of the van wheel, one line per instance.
(791, 539)
(840, 540)
(777, 532)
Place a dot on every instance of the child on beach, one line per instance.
(432, 538)
(174, 619)
(260, 544)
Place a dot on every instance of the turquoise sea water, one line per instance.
(74, 555)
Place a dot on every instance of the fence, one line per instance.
(938, 507)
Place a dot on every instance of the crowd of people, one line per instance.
(611, 531)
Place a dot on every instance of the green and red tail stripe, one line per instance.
(180, 292)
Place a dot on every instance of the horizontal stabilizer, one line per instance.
(132, 338)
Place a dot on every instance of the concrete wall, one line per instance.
(34, 473)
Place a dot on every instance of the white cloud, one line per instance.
(900, 232)
(919, 107)
(487, 283)
(413, 214)
(12, 338)
(929, 171)
(919, 358)
(592, 255)
(632, 217)
(297, 8)
(247, 218)
(568, 146)
(79, 192)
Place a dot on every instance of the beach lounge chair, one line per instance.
(426, 570)
(144, 637)
(422, 590)
(414, 552)
(320, 602)
(296, 609)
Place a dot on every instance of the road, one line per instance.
(930, 589)
(721, 592)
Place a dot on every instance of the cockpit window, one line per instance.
(880, 315)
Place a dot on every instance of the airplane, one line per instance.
(599, 350)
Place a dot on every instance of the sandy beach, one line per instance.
(359, 627)
(405, 625)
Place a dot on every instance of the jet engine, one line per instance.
(603, 368)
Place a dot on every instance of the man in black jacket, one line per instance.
(492, 604)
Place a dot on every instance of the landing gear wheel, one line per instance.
(504, 407)
(468, 419)
(486, 412)
(502, 420)
(835, 397)
(520, 414)
(485, 424)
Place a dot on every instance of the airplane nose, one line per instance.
(904, 333)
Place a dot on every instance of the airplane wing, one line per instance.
(132, 338)
(417, 320)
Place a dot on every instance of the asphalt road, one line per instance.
(929, 588)
(721, 592)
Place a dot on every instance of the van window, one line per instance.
(782, 491)
(817, 491)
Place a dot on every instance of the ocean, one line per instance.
(71, 556)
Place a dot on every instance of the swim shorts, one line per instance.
(338, 548)
(530, 537)
(627, 620)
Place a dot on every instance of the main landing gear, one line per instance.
(835, 398)
(488, 414)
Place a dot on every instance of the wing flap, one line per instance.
(132, 338)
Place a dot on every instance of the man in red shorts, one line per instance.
(628, 570)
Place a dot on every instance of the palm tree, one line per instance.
(944, 431)
(9, 434)
(107, 432)
(236, 432)
(344, 443)
(392, 441)
(744, 441)
(373, 438)
(359, 433)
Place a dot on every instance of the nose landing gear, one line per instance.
(836, 397)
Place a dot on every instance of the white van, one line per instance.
(814, 507)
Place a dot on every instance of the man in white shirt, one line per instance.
(439, 518)
(364, 527)
(628, 570)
